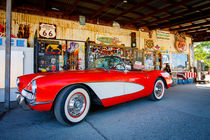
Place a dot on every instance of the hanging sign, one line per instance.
(82, 20)
(162, 34)
(47, 31)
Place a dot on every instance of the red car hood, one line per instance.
(67, 73)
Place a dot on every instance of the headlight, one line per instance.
(34, 86)
(17, 83)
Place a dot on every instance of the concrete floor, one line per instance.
(184, 113)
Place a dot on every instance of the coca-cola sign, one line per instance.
(47, 31)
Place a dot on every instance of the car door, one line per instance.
(136, 83)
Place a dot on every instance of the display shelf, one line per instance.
(99, 50)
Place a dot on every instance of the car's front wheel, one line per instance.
(158, 91)
(72, 105)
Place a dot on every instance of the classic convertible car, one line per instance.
(70, 93)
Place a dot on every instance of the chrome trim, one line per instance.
(18, 92)
(33, 87)
(76, 105)
(28, 101)
(40, 103)
(27, 91)
(22, 102)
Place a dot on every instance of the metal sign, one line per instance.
(180, 42)
(163, 35)
(47, 31)
(15, 42)
(149, 43)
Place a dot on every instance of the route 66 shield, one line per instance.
(47, 31)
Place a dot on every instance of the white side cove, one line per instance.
(112, 89)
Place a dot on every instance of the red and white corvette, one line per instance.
(69, 94)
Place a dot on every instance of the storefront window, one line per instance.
(165, 60)
(179, 62)
(149, 60)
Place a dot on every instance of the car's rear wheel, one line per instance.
(158, 91)
(72, 105)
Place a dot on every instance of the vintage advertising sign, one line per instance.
(149, 43)
(15, 42)
(180, 42)
(47, 31)
(3, 32)
(82, 20)
(162, 34)
(107, 40)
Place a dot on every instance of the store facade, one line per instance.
(62, 44)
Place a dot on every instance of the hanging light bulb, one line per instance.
(125, 1)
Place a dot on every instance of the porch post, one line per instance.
(8, 55)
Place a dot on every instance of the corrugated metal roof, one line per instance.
(134, 13)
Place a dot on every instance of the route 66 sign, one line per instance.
(47, 31)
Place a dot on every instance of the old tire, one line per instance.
(158, 91)
(72, 105)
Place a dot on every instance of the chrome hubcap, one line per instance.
(76, 105)
(158, 89)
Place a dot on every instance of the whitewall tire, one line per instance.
(72, 105)
(158, 91)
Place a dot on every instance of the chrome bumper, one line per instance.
(24, 102)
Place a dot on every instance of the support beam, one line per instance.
(8, 54)
(44, 5)
(191, 26)
(61, 5)
(158, 11)
(196, 29)
(100, 10)
(199, 33)
(200, 36)
(186, 19)
(141, 4)
(176, 15)
(111, 7)
(73, 6)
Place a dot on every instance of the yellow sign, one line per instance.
(53, 49)
(163, 48)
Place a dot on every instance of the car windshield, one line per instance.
(114, 63)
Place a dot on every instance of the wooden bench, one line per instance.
(202, 81)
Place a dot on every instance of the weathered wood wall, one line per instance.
(67, 29)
